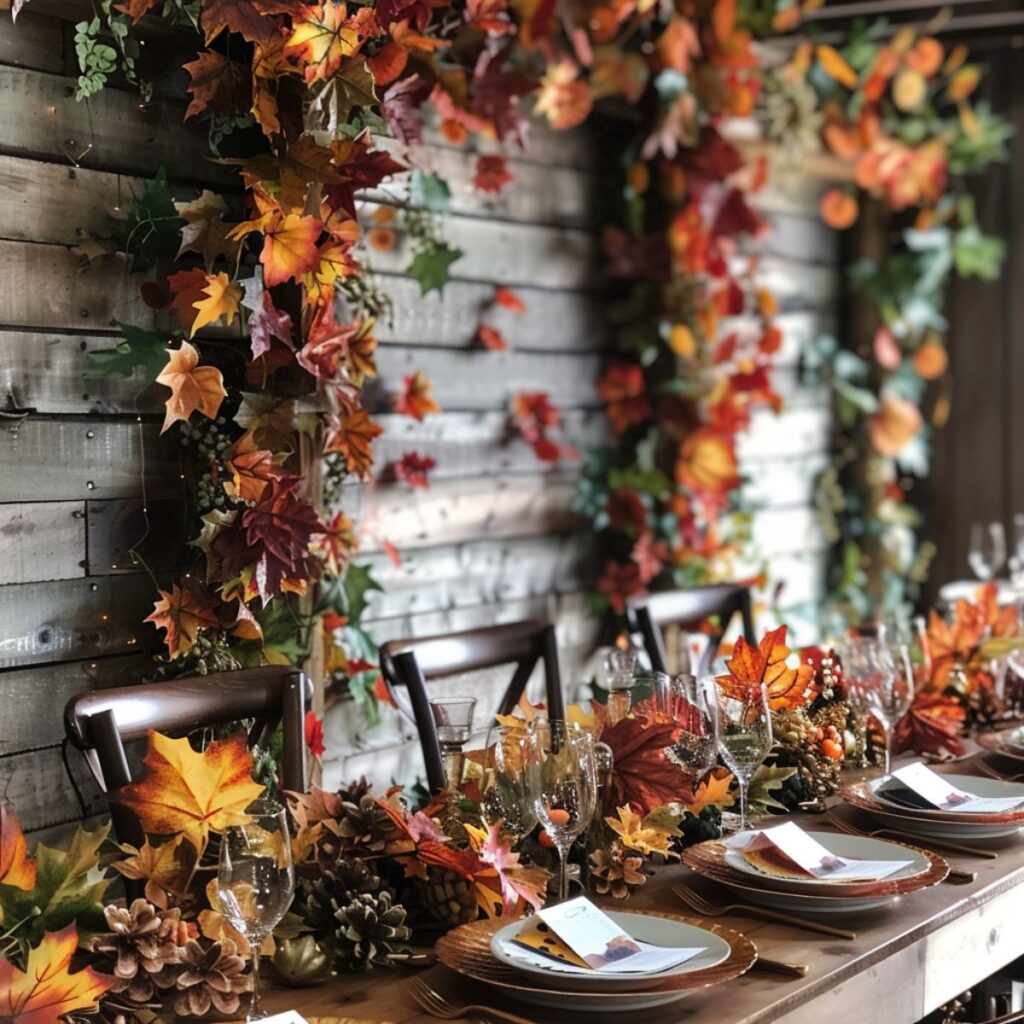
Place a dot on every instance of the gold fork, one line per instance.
(955, 876)
(438, 1005)
(708, 909)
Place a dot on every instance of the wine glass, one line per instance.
(987, 553)
(511, 782)
(880, 679)
(256, 880)
(744, 734)
(692, 707)
(453, 721)
(567, 798)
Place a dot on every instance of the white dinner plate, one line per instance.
(853, 847)
(975, 784)
(658, 931)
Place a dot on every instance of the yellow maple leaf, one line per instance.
(194, 388)
(47, 990)
(630, 828)
(289, 249)
(16, 867)
(191, 793)
(713, 792)
(221, 302)
(321, 39)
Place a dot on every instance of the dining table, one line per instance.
(906, 959)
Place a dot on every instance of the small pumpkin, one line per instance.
(301, 962)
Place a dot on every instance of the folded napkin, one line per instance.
(933, 790)
(808, 856)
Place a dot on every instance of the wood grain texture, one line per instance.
(36, 783)
(41, 541)
(35, 43)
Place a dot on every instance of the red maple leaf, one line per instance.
(623, 388)
(534, 414)
(932, 726)
(327, 344)
(492, 173)
(508, 299)
(620, 581)
(413, 469)
(492, 338)
(314, 734)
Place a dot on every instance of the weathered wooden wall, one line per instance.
(492, 540)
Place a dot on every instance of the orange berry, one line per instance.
(832, 749)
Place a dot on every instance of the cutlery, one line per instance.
(987, 769)
(955, 876)
(942, 844)
(707, 909)
(438, 1005)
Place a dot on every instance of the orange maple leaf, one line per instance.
(182, 613)
(353, 435)
(492, 338)
(187, 288)
(954, 643)
(193, 387)
(188, 792)
(16, 867)
(713, 792)
(252, 470)
(508, 299)
(787, 687)
(563, 98)
(289, 249)
(321, 39)
(47, 990)
(220, 302)
(416, 399)
(834, 65)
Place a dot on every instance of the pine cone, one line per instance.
(323, 897)
(212, 976)
(370, 931)
(984, 708)
(616, 870)
(365, 825)
(448, 897)
(144, 950)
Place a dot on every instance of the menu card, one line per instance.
(597, 943)
(941, 793)
(288, 1017)
(807, 854)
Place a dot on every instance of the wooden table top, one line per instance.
(906, 960)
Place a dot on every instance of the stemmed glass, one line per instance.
(567, 798)
(256, 880)
(987, 553)
(453, 721)
(511, 782)
(691, 705)
(880, 679)
(744, 735)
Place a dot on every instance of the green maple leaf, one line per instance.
(150, 230)
(346, 595)
(147, 349)
(431, 266)
(763, 785)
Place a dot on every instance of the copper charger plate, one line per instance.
(708, 860)
(467, 950)
(859, 795)
(710, 856)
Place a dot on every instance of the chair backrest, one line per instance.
(688, 609)
(410, 663)
(99, 723)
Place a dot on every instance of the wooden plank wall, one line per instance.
(492, 540)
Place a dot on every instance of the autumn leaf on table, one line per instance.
(17, 868)
(336, 545)
(190, 792)
(220, 302)
(636, 834)
(413, 469)
(712, 792)
(933, 725)
(290, 249)
(321, 39)
(492, 173)
(194, 388)
(518, 881)
(956, 642)
(267, 323)
(182, 614)
(508, 299)
(787, 688)
(47, 989)
(218, 82)
(416, 399)
(353, 437)
(642, 775)
(491, 337)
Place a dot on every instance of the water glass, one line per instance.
(256, 881)
(744, 734)
(567, 798)
(987, 554)
(453, 722)
(511, 782)
(692, 707)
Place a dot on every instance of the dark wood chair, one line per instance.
(687, 609)
(101, 722)
(411, 663)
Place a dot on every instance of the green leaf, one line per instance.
(282, 633)
(977, 254)
(430, 191)
(140, 348)
(765, 782)
(150, 230)
(346, 595)
(431, 266)
(360, 687)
